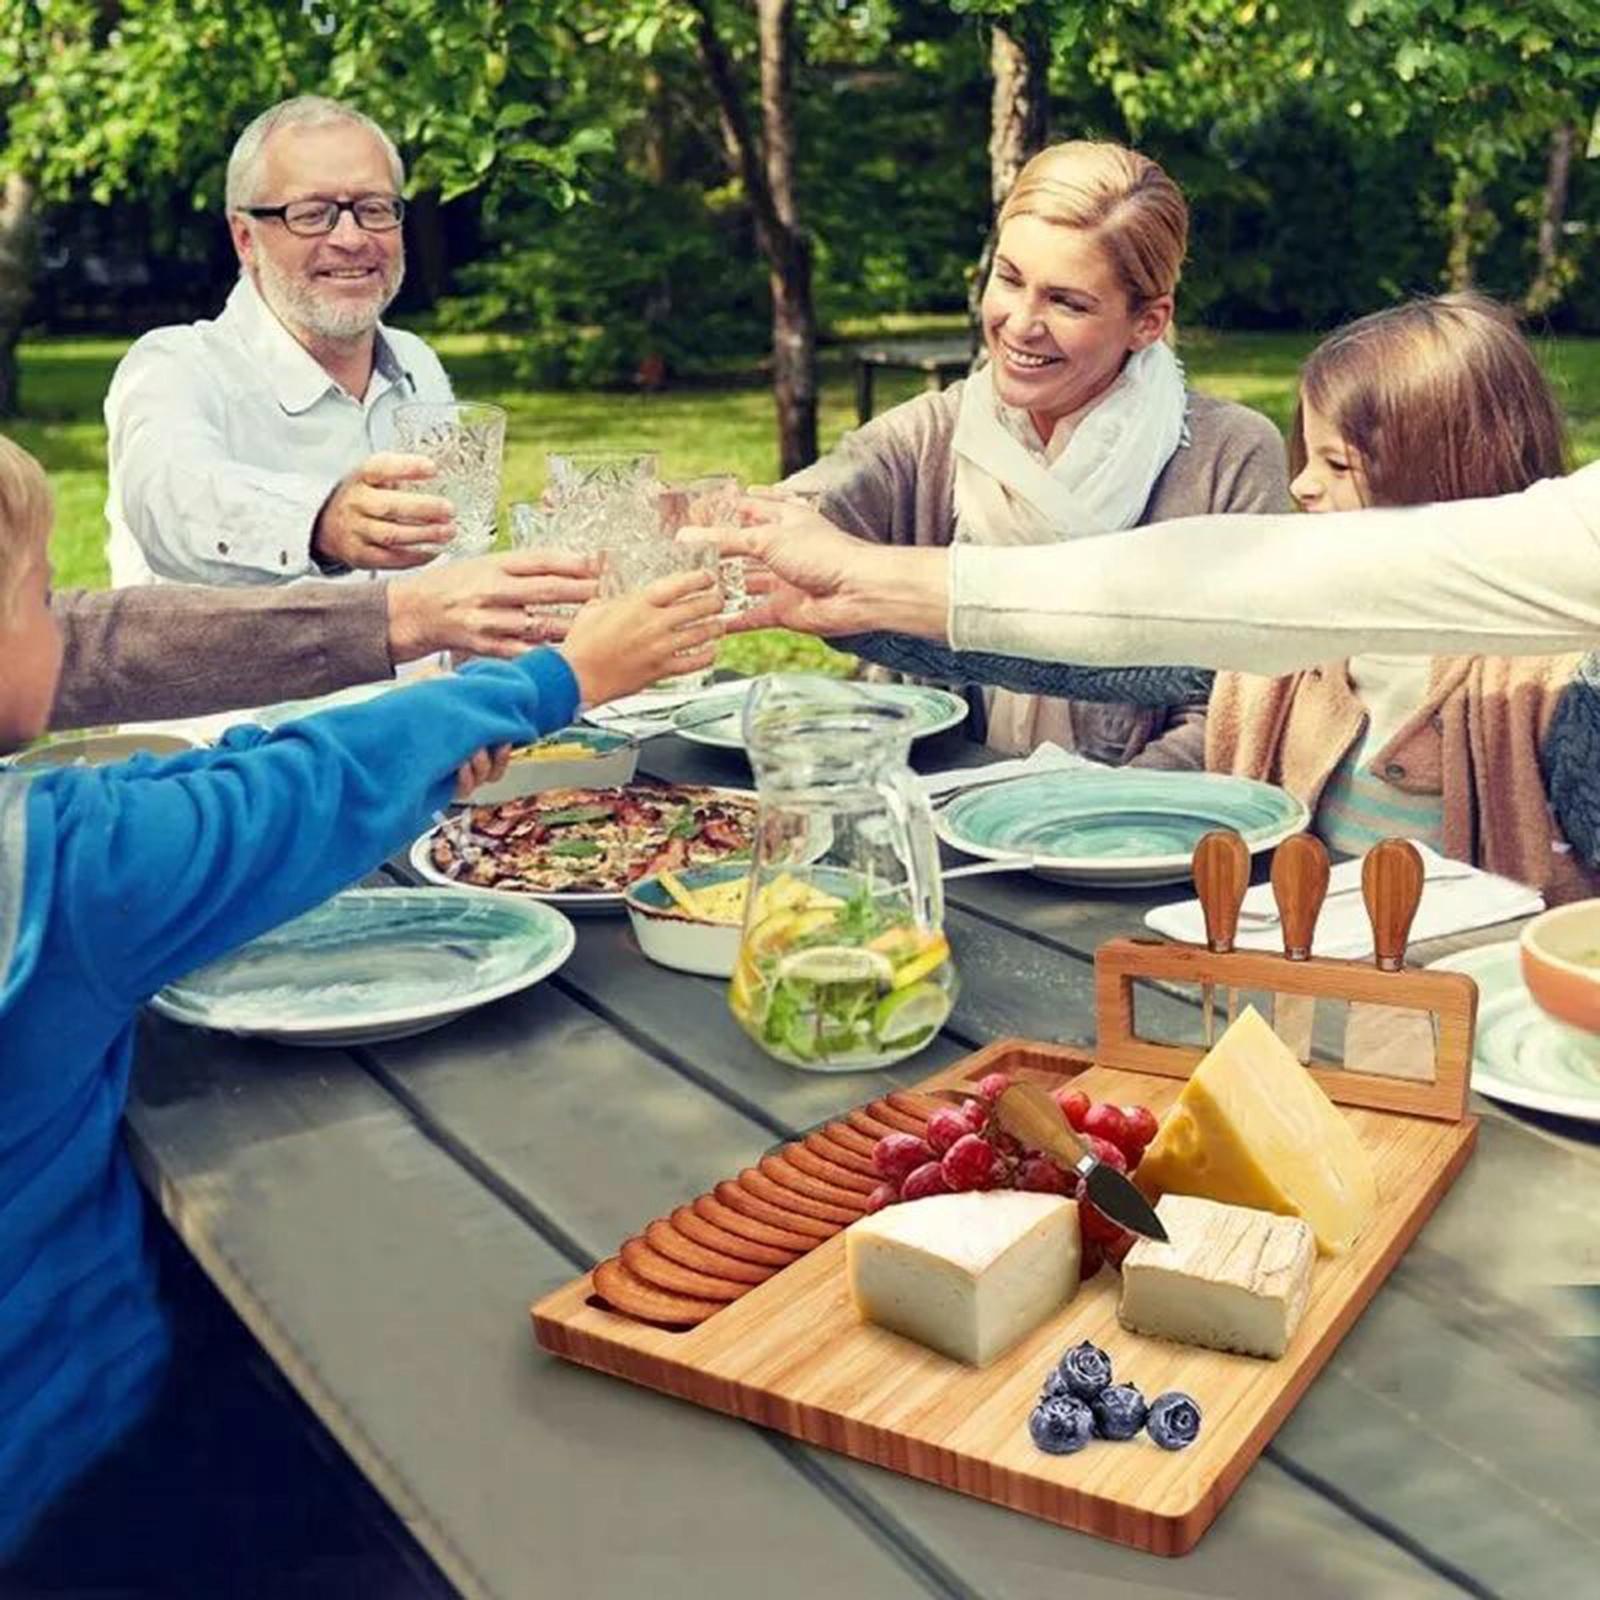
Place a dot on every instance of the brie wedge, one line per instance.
(1228, 1278)
(965, 1274)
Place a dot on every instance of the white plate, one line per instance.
(1521, 1055)
(933, 711)
(567, 899)
(374, 964)
(1117, 826)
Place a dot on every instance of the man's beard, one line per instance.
(295, 301)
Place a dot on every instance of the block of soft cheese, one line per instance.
(965, 1274)
(1253, 1128)
(1228, 1277)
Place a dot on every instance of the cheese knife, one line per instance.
(1394, 1041)
(1221, 869)
(1299, 886)
(1030, 1115)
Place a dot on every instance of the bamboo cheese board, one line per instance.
(739, 1299)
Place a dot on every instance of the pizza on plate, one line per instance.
(594, 841)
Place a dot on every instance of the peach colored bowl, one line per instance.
(1561, 964)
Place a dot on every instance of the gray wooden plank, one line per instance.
(596, 1137)
(392, 1288)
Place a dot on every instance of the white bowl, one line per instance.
(669, 935)
(611, 762)
(101, 750)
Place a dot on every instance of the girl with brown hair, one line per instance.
(1079, 423)
(1436, 400)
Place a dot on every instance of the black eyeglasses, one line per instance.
(374, 213)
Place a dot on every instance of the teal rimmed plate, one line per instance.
(374, 964)
(1115, 826)
(932, 711)
(1520, 1055)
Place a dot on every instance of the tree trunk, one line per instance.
(794, 321)
(768, 176)
(1471, 226)
(1019, 124)
(18, 239)
(1550, 276)
(430, 249)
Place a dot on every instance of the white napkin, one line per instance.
(1047, 758)
(651, 709)
(1455, 897)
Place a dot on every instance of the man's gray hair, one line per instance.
(303, 111)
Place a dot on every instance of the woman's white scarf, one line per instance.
(1006, 493)
(1009, 493)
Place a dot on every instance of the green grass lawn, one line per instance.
(695, 429)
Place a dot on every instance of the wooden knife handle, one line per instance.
(1221, 867)
(1391, 884)
(1299, 886)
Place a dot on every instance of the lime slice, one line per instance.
(837, 963)
(908, 1011)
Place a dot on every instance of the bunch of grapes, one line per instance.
(963, 1148)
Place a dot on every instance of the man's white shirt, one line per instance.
(227, 437)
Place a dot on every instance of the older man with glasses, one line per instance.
(253, 449)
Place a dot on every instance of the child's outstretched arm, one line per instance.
(166, 867)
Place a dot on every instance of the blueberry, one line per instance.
(1173, 1421)
(1055, 1386)
(1119, 1411)
(1087, 1369)
(1062, 1425)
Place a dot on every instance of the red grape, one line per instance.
(897, 1154)
(969, 1163)
(992, 1085)
(945, 1126)
(1107, 1152)
(927, 1180)
(1041, 1174)
(884, 1195)
(977, 1114)
(1094, 1224)
(1091, 1257)
(1141, 1122)
(1117, 1248)
(1074, 1105)
(1108, 1123)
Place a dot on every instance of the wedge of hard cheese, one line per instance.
(1253, 1128)
(965, 1274)
(1228, 1277)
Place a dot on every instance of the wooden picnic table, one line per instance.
(381, 1217)
(940, 361)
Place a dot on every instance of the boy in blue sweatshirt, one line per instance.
(114, 882)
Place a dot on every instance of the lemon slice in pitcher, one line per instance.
(837, 963)
(933, 956)
(905, 1012)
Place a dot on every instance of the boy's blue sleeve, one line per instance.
(162, 869)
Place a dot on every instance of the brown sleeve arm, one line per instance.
(176, 650)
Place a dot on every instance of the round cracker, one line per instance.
(693, 1225)
(773, 1181)
(779, 1215)
(678, 1246)
(783, 1171)
(808, 1161)
(900, 1121)
(628, 1294)
(665, 1273)
(841, 1133)
(841, 1155)
(747, 1226)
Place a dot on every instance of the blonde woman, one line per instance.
(1078, 423)
(1437, 400)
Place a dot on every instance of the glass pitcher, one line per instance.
(843, 963)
